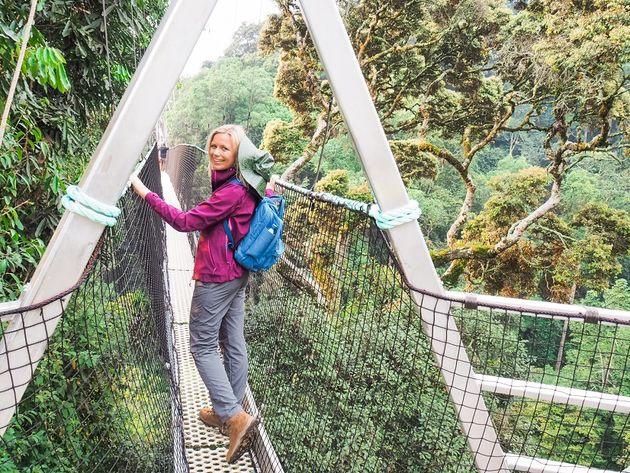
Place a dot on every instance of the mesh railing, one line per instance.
(343, 361)
(347, 381)
(188, 171)
(557, 387)
(104, 397)
(339, 360)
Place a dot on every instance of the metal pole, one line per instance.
(335, 51)
(105, 179)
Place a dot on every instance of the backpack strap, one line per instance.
(226, 224)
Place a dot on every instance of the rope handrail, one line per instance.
(187, 146)
(354, 205)
(38, 305)
(569, 311)
(9, 305)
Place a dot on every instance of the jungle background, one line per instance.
(508, 120)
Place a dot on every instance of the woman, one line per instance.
(218, 304)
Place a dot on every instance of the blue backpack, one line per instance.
(262, 246)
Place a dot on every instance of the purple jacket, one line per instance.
(214, 261)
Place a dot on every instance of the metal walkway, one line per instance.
(205, 447)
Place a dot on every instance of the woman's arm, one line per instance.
(270, 189)
(216, 209)
(138, 186)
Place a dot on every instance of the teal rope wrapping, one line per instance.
(78, 195)
(78, 202)
(392, 218)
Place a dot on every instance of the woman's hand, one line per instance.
(138, 186)
(272, 182)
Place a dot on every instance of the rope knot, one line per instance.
(78, 202)
(393, 218)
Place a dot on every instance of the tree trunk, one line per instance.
(461, 219)
(517, 230)
(565, 331)
(513, 142)
(316, 141)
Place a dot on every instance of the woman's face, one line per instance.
(222, 152)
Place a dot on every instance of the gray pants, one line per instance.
(217, 314)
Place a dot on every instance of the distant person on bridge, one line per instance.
(218, 304)
(162, 157)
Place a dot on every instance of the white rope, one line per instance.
(392, 218)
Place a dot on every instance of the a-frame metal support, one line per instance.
(105, 179)
(123, 141)
(335, 51)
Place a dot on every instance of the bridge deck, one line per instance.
(205, 447)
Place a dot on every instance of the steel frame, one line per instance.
(543, 309)
(355, 103)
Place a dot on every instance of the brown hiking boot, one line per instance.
(241, 428)
(208, 416)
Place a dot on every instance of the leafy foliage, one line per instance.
(509, 108)
(69, 416)
(233, 90)
(244, 41)
(71, 79)
(283, 140)
(481, 88)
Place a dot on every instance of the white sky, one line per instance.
(225, 19)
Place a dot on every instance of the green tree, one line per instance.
(233, 90)
(244, 41)
(477, 74)
(615, 297)
(71, 79)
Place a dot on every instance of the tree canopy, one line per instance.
(508, 121)
(469, 85)
(79, 59)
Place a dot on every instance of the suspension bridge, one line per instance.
(359, 359)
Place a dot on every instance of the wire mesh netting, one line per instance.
(347, 381)
(569, 357)
(188, 172)
(338, 357)
(345, 360)
(104, 397)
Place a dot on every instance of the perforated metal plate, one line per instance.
(181, 295)
(194, 396)
(180, 262)
(205, 446)
(214, 460)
